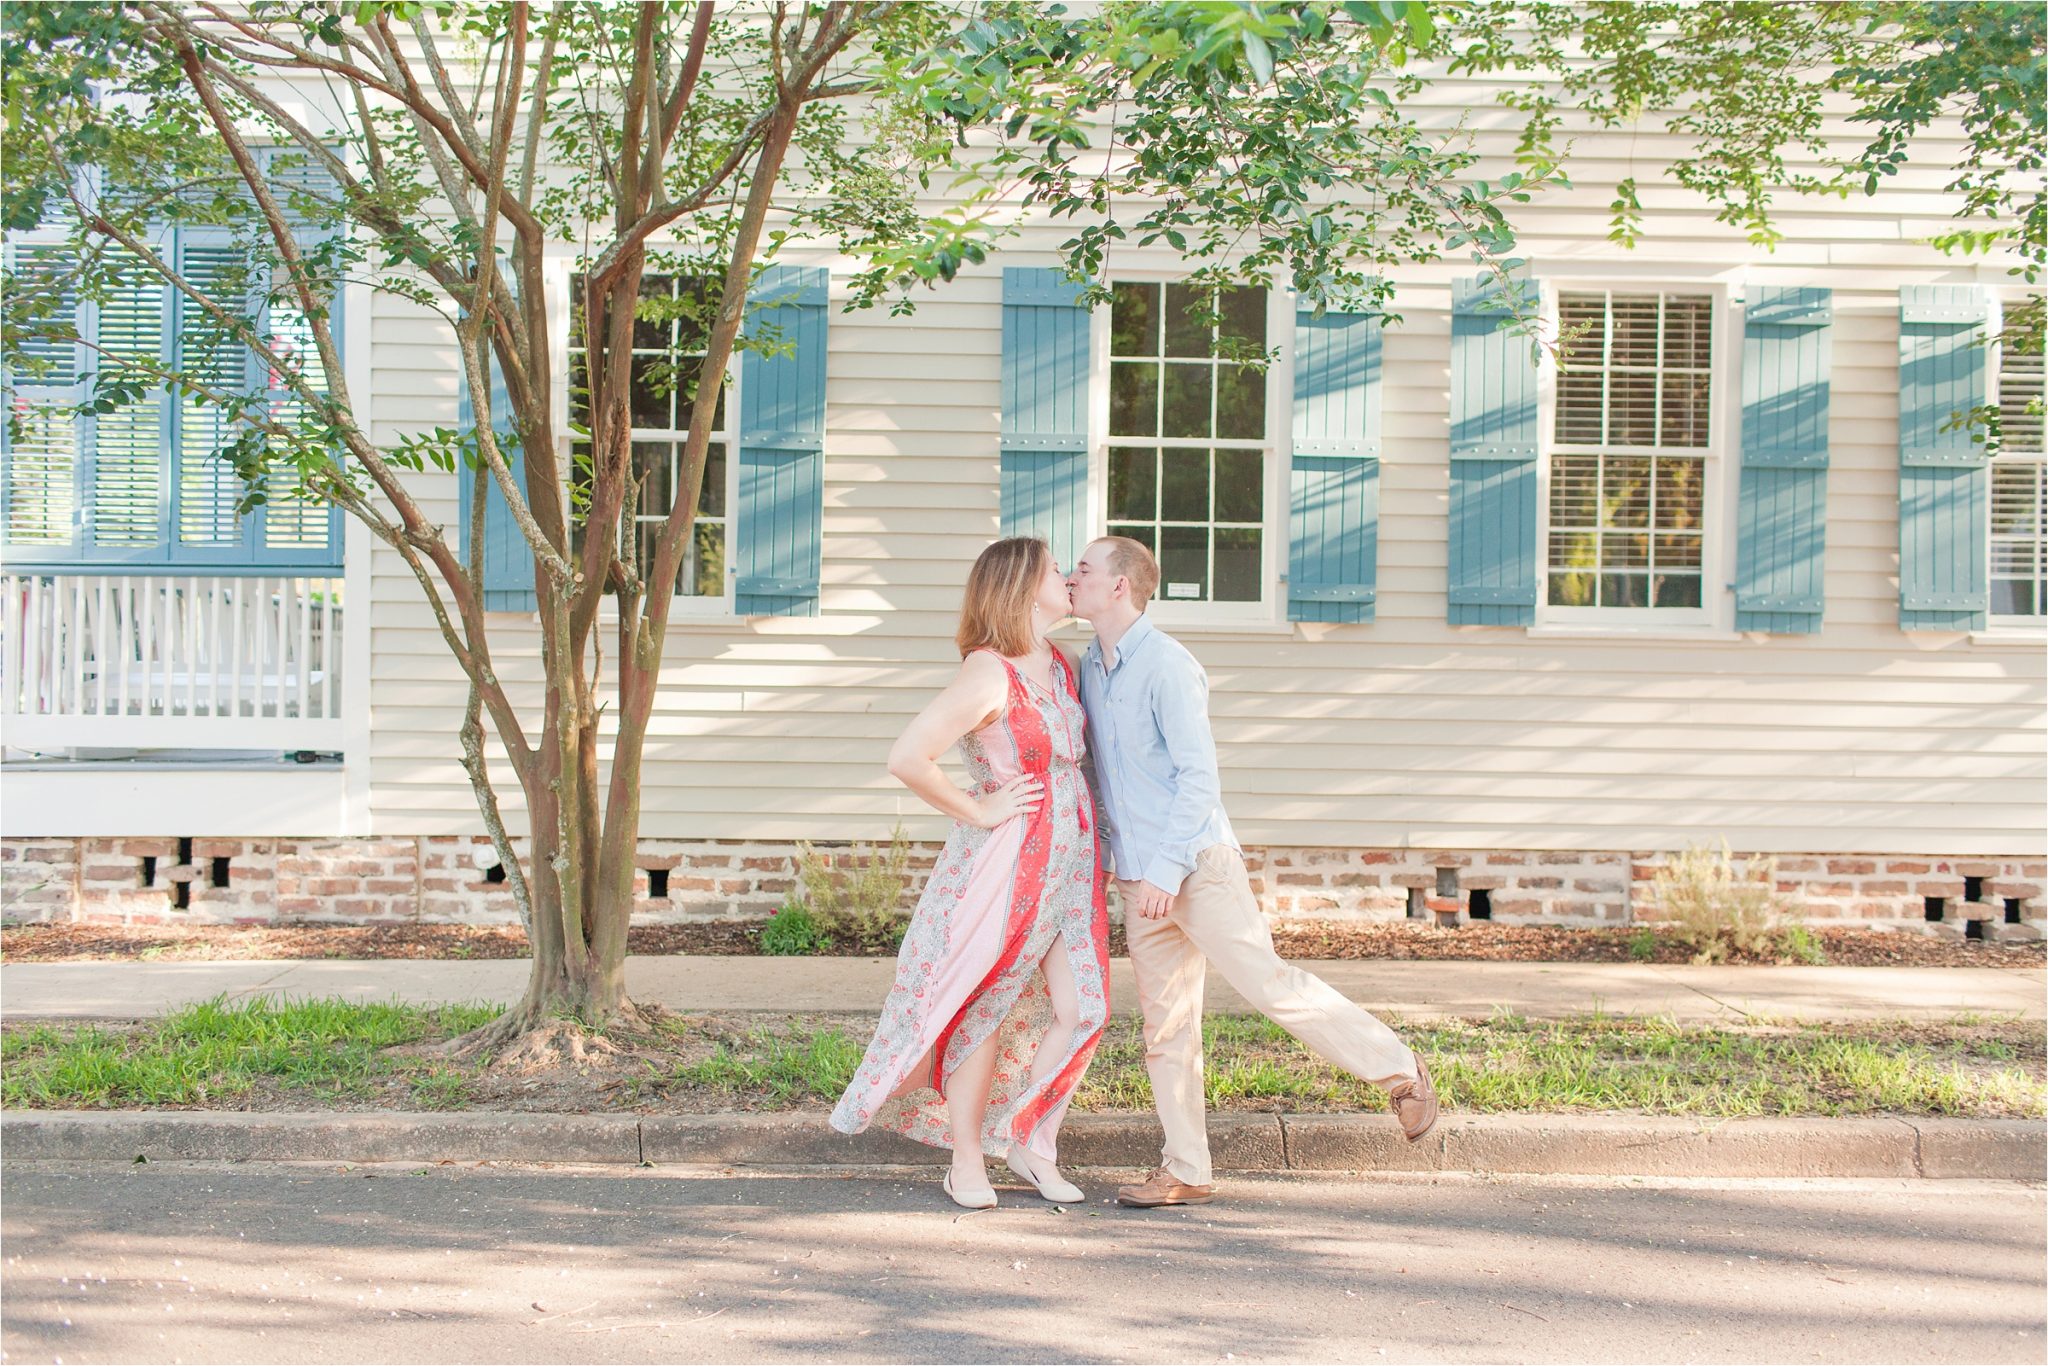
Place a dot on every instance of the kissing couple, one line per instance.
(1002, 984)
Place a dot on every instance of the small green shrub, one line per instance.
(1642, 945)
(793, 931)
(1715, 908)
(857, 897)
(1802, 945)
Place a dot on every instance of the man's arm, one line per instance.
(1180, 705)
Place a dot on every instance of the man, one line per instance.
(1187, 900)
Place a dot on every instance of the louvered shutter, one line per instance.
(1044, 435)
(782, 448)
(207, 527)
(1943, 520)
(1334, 479)
(508, 559)
(40, 467)
(1781, 513)
(128, 500)
(1492, 551)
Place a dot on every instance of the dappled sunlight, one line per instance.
(465, 1263)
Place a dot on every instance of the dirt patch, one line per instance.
(1301, 939)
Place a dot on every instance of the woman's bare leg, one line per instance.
(966, 1105)
(1066, 1012)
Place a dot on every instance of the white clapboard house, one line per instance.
(1475, 625)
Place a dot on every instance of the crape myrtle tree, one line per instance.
(455, 143)
(1265, 143)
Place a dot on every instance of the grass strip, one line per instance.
(260, 1054)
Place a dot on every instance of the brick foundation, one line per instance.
(452, 880)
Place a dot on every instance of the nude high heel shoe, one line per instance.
(976, 1201)
(1051, 1185)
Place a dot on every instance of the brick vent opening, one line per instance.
(1418, 904)
(495, 874)
(2013, 907)
(149, 870)
(219, 875)
(1935, 906)
(1481, 905)
(1974, 930)
(1973, 889)
(657, 883)
(1447, 882)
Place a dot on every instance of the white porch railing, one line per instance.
(169, 661)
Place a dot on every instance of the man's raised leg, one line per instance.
(1169, 972)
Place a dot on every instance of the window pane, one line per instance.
(654, 334)
(1240, 488)
(1244, 320)
(1134, 320)
(708, 561)
(1188, 390)
(2015, 598)
(1575, 491)
(1574, 550)
(648, 397)
(1685, 416)
(1240, 402)
(1183, 563)
(652, 466)
(1632, 408)
(1680, 494)
(1678, 552)
(1184, 485)
(1688, 332)
(1677, 590)
(711, 502)
(1133, 482)
(1621, 550)
(1578, 407)
(2016, 487)
(1238, 570)
(1624, 590)
(1571, 590)
(1186, 333)
(1625, 491)
(1134, 398)
(1634, 324)
(1584, 315)
(1148, 535)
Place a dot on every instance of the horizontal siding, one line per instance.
(1403, 732)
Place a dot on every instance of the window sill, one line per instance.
(2015, 634)
(1208, 628)
(1619, 631)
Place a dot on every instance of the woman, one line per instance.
(1002, 986)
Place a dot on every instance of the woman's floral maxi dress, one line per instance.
(997, 901)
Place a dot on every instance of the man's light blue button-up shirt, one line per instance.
(1154, 756)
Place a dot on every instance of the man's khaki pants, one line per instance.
(1217, 918)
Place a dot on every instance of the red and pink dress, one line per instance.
(997, 902)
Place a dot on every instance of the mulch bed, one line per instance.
(1397, 940)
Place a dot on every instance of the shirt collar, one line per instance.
(1128, 645)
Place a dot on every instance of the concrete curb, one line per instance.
(1582, 1145)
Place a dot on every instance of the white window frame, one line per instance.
(1270, 611)
(2035, 624)
(1715, 614)
(686, 607)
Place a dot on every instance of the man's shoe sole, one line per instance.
(1162, 1204)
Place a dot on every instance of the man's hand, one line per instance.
(1150, 901)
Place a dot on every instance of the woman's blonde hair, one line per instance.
(996, 613)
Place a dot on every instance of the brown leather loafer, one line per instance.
(1414, 1103)
(1162, 1187)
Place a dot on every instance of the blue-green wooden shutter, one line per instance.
(1493, 459)
(508, 559)
(782, 449)
(1044, 446)
(1943, 518)
(1781, 512)
(1334, 482)
(41, 472)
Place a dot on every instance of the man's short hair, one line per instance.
(1133, 560)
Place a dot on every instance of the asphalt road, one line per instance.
(196, 1263)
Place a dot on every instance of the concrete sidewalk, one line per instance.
(1413, 990)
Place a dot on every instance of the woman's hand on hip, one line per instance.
(1020, 796)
